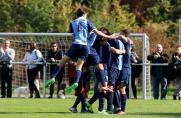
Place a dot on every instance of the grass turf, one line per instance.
(58, 108)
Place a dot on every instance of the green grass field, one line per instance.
(58, 108)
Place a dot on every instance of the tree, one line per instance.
(6, 19)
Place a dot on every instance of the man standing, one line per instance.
(54, 56)
(32, 56)
(7, 55)
(176, 61)
(159, 73)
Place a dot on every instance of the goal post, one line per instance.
(146, 81)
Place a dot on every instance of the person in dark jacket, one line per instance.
(159, 73)
(176, 61)
(54, 56)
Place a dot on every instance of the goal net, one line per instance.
(20, 42)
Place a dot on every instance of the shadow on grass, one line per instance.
(35, 112)
(175, 115)
(171, 115)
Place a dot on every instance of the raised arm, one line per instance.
(104, 35)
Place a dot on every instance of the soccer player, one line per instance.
(80, 28)
(114, 70)
(93, 59)
(126, 69)
(102, 52)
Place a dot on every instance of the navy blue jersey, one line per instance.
(127, 55)
(102, 50)
(104, 54)
(96, 44)
(116, 59)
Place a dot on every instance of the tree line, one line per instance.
(150, 16)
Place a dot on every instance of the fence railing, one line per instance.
(47, 63)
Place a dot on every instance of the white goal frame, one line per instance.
(146, 81)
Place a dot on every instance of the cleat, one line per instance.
(49, 82)
(73, 110)
(109, 112)
(103, 112)
(71, 88)
(89, 107)
(83, 111)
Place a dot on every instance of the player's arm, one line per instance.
(117, 51)
(91, 27)
(125, 39)
(104, 35)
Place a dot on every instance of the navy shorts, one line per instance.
(124, 76)
(92, 59)
(113, 75)
(77, 51)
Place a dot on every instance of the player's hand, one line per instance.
(1, 50)
(115, 36)
(176, 57)
(52, 59)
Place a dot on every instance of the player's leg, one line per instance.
(101, 74)
(122, 89)
(113, 76)
(82, 54)
(95, 96)
(57, 70)
(126, 73)
(78, 73)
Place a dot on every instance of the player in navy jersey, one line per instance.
(80, 28)
(114, 70)
(100, 52)
(126, 69)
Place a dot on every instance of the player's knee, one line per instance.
(100, 67)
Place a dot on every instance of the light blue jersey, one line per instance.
(121, 47)
(81, 28)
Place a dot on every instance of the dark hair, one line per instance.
(55, 43)
(52, 43)
(125, 32)
(81, 11)
(105, 30)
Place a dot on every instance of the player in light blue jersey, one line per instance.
(80, 27)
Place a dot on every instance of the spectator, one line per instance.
(54, 56)
(33, 56)
(135, 72)
(176, 61)
(159, 73)
(7, 55)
